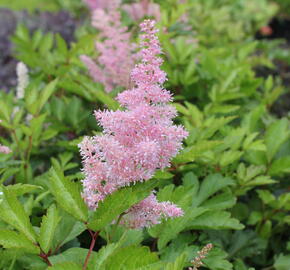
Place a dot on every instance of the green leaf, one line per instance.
(266, 196)
(68, 195)
(266, 229)
(66, 266)
(215, 220)
(14, 240)
(46, 94)
(209, 186)
(103, 254)
(21, 189)
(74, 255)
(68, 229)
(221, 201)
(118, 202)
(228, 157)
(189, 154)
(130, 258)
(282, 262)
(216, 260)
(170, 229)
(275, 136)
(61, 45)
(279, 166)
(251, 119)
(13, 213)
(48, 227)
(178, 263)
(245, 243)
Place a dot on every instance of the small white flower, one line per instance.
(22, 78)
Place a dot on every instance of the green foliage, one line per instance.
(231, 179)
(13, 213)
(119, 202)
(282, 262)
(130, 258)
(14, 240)
(68, 195)
(48, 227)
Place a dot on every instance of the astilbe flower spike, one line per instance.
(95, 4)
(143, 8)
(22, 79)
(116, 52)
(136, 141)
(197, 261)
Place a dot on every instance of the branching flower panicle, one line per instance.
(144, 8)
(136, 141)
(95, 4)
(197, 261)
(116, 59)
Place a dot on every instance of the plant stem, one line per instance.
(45, 258)
(114, 229)
(93, 242)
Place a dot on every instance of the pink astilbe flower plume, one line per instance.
(5, 149)
(148, 212)
(116, 59)
(136, 141)
(94, 4)
(144, 8)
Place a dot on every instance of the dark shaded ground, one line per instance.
(60, 22)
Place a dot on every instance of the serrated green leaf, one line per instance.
(228, 157)
(220, 201)
(46, 94)
(189, 154)
(177, 264)
(65, 266)
(216, 260)
(130, 258)
(75, 255)
(68, 229)
(48, 227)
(279, 166)
(20, 189)
(209, 186)
(13, 213)
(275, 136)
(68, 195)
(103, 255)
(168, 230)
(215, 220)
(266, 196)
(14, 240)
(118, 202)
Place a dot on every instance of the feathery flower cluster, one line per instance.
(137, 141)
(22, 79)
(4, 149)
(116, 52)
(95, 4)
(148, 212)
(196, 262)
(144, 8)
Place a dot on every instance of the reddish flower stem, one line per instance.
(93, 242)
(45, 258)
